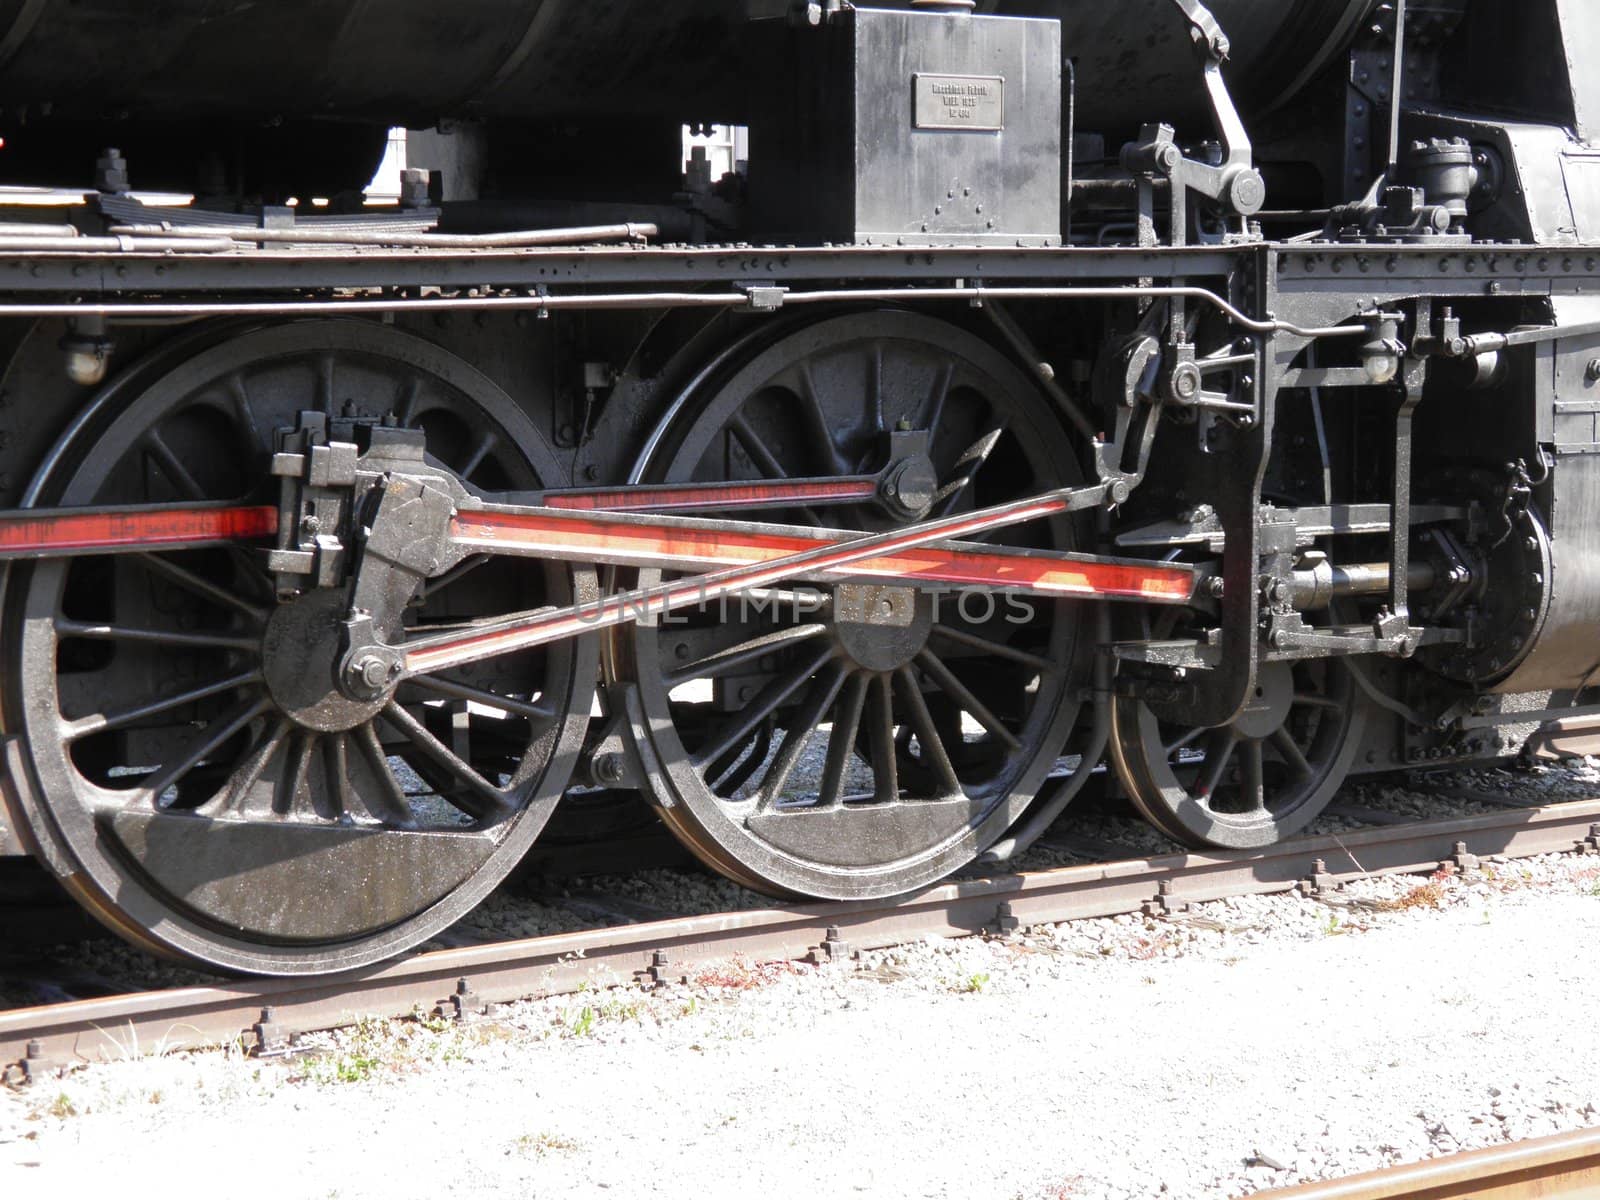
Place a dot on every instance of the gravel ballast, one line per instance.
(1242, 1045)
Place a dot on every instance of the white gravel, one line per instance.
(1122, 1057)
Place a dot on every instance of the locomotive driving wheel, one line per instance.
(190, 766)
(1255, 781)
(860, 740)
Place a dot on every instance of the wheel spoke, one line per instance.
(479, 455)
(1283, 742)
(880, 735)
(1312, 700)
(336, 768)
(1255, 781)
(798, 736)
(737, 656)
(177, 474)
(286, 798)
(243, 412)
(933, 411)
(764, 459)
(389, 804)
(155, 637)
(973, 459)
(875, 388)
(480, 800)
(756, 447)
(999, 649)
(406, 397)
(462, 691)
(1219, 750)
(433, 587)
(204, 588)
(214, 736)
(841, 743)
(249, 774)
(934, 753)
(821, 427)
(325, 391)
(962, 695)
(102, 722)
(761, 707)
(1187, 739)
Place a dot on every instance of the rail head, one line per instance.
(1564, 1165)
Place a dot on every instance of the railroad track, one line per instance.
(266, 1013)
(1566, 1165)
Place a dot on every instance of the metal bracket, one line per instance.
(314, 505)
(1461, 859)
(464, 1006)
(272, 1039)
(405, 542)
(1165, 904)
(763, 297)
(1127, 377)
(1319, 883)
(660, 973)
(35, 1067)
(833, 949)
(1006, 921)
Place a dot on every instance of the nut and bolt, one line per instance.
(1186, 381)
(608, 768)
(370, 674)
(374, 671)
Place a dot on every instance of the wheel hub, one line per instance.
(302, 644)
(1269, 705)
(881, 628)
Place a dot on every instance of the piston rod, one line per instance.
(1318, 587)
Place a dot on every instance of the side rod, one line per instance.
(526, 630)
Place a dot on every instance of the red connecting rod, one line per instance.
(739, 555)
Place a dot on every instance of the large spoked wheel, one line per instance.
(186, 752)
(1252, 783)
(857, 740)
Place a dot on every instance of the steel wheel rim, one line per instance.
(537, 735)
(735, 824)
(1195, 784)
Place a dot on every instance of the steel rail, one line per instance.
(1564, 1165)
(34, 1040)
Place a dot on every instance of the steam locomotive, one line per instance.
(1207, 389)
